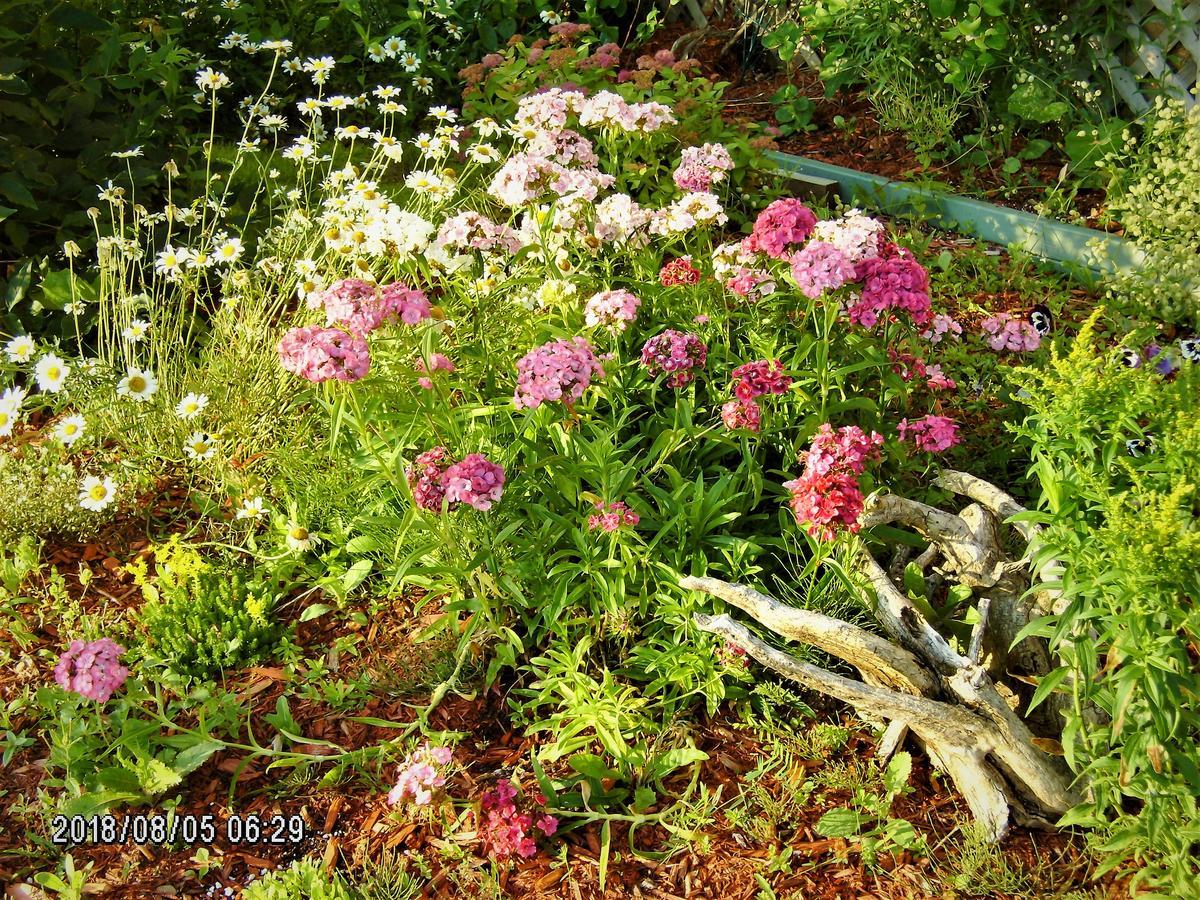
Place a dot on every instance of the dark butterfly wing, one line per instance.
(1190, 348)
(1130, 357)
(1139, 446)
(1041, 319)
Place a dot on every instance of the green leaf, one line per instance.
(895, 776)
(1045, 686)
(15, 190)
(605, 849)
(841, 823)
(155, 776)
(315, 611)
(194, 757)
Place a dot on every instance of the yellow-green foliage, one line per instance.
(39, 495)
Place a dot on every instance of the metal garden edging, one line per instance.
(1066, 247)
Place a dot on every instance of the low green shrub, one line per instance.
(303, 880)
(39, 496)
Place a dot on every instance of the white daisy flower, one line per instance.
(229, 251)
(135, 330)
(376, 53)
(209, 80)
(51, 371)
(169, 262)
(10, 410)
(191, 406)
(300, 538)
(394, 46)
(293, 66)
(70, 429)
(423, 84)
(251, 508)
(96, 493)
(20, 349)
(138, 384)
(410, 61)
(199, 445)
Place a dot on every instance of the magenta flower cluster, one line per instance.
(1008, 332)
(702, 167)
(420, 775)
(894, 280)
(821, 267)
(933, 434)
(827, 496)
(320, 354)
(677, 354)
(679, 273)
(474, 480)
(611, 516)
(611, 309)
(763, 376)
(360, 306)
(557, 371)
(509, 831)
(779, 227)
(92, 670)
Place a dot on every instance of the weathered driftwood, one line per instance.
(957, 706)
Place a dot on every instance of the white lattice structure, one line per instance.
(1159, 51)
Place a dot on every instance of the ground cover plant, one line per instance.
(375, 525)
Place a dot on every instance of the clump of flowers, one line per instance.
(856, 236)
(678, 273)
(827, 496)
(1008, 332)
(702, 167)
(319, 354)
(92, 670)
(399, 301)
(474, 480)
(780, 226)
(933, 434)
(821, 267)
(437, 363)
(742, 414)
(557, 371)
(941, 326)
(508, 830)
(677, 354)
(421, 775)
(425, 478)
(611, 309)
(894, 280)
(763, 376)
(611, 516)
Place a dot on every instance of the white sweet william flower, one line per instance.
(96, 493)
(251, 508)
(138, 384)
(199, 445)
(20, 349)
(51, 371)
(70, 429)
(300, 538)
(191, 406)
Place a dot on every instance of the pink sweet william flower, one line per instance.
(744, 414)
(507, 830)
(475, 480)
(933, 434)
(937, 380)
(351, 303)
(763, 376)
(437, 363)
(611, 516)
(821, 267)
(319, 354)
(941, 326)
(753, 284)
(425, 478)
(702, 167)
(677, 354)
(894, 280)
(827, 497)
(409, 305)
(557, 371)
(91, 669)
(420, 775)
(678, 273)
(780, 226)
(611, 309)
(1008, 332)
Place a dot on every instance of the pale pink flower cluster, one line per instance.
(472, 231)
(677, 354)
(938, 380)
(420, 775)
(360, 306)
(941, 326)
(739, 413)
(565, 147)
(319, 354)
(1008, 332)
(783, 224)
(437, 363)
(702, 167)
(92, 670)
(827, 496)
(556, 371)
(611, 516)
(688, 212)
(753, 284)
(552, 108)
(739, 270)
(526, 177)
(932, 434)
(894, 280)
(611, 309)
(474, 480)
(821, 267)
(508, 831)
(858, 237)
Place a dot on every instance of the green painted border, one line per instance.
(1063, 246)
